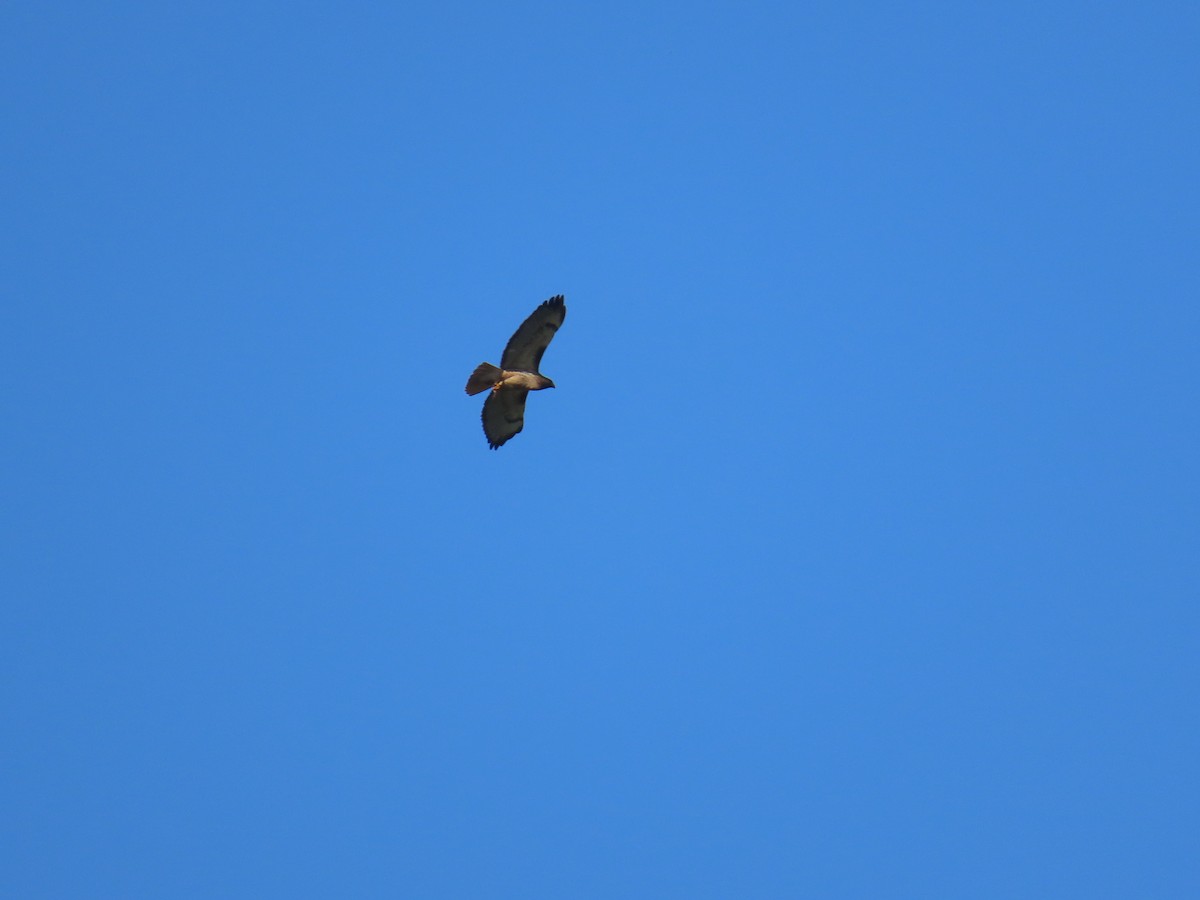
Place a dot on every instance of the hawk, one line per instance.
(517, 374)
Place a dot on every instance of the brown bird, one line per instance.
(517, 374)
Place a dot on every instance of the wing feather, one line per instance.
(503, 415)
(529, 342)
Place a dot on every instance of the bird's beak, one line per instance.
(552, 384)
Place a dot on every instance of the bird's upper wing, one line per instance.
(503, 415)
(526, 346)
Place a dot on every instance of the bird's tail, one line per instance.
(483, 378)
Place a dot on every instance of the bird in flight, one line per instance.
(517, 374)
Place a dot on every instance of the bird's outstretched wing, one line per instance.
(503, 415)
(529, 342)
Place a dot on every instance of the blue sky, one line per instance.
(855, 554)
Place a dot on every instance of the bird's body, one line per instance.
(531, 381)
(517, 374)
(489, 376)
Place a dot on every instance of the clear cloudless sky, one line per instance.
(854, 556)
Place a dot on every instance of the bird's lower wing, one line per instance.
(503, 415)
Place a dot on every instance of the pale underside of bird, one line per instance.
(517, 375)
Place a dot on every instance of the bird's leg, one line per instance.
(496, 386)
